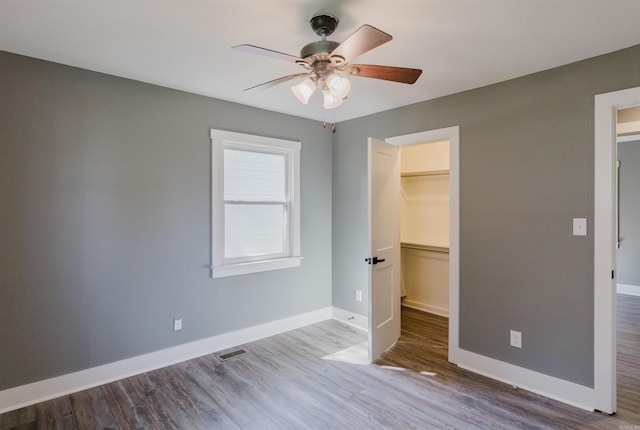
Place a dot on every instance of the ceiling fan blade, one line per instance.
(388, 73)
(275, 82)
(362, 40)
(269, 53)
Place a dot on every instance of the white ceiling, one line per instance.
(182, 44)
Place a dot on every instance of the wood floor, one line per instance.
(315, 378)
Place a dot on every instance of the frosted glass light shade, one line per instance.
(330, 101)
(338, 86)
(304, 90)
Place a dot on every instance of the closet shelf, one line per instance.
(426, 173)
(442, 249)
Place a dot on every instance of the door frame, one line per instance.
(452, 134)
(604, 244)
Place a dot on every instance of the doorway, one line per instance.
(605, 244)
(450, 134)
(628, 253)
(628, 204)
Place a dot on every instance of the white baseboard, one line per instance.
(443, 312)
(29, 394)
(632, 290)
(554, 388)
(25, 395)
(350, 318)
(535, 382)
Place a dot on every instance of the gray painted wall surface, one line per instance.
(629, 252)
(104, 220)
(526, 160)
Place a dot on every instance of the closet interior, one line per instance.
(424, 227)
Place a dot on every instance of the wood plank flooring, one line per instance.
(628, 358)
(315, 378)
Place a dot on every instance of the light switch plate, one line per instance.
(515, 338)
(579, 226)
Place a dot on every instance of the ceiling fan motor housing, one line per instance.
(318, 50)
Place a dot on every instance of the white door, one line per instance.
(384, 246)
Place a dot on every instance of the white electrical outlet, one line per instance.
(177, 324)
(358, 295)
(516, 339)
(579, 226)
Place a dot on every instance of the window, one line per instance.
(255, 204)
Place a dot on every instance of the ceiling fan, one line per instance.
(326, 62)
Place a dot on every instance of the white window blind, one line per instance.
(254, 230)
(254, 176)
(256, 204)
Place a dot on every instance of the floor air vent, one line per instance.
(232, 354)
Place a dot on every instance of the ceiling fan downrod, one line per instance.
(323, 25)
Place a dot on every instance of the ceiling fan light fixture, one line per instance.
(330, 102)
(304, 90)
(327, 63)
(338, 86)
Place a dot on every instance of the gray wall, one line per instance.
(105, 220)
(526, 160)
(629, 252)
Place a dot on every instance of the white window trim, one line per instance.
(221, 139)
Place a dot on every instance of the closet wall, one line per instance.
(424, 227)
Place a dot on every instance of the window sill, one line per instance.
(254, 267)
